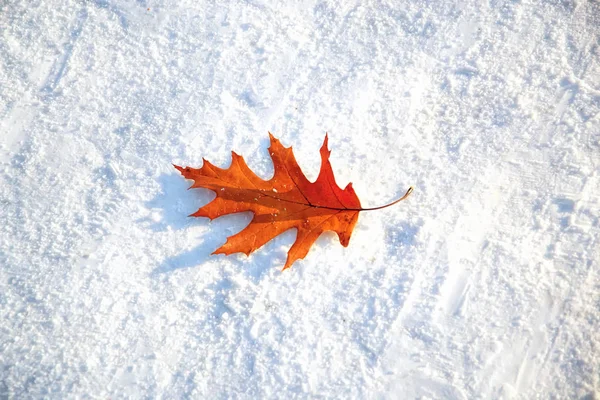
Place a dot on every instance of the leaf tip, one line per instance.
(285, 267)
(326, 141)
(325, 152)
(344, 239)
(197, 214)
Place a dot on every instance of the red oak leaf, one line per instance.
(287, 200)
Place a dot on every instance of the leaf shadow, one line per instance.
(217, 233)
(268, 259)
(171, 208)
(174, 203)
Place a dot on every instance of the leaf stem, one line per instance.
(408, 192)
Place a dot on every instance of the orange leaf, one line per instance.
(287, 200)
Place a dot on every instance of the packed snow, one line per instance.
(485, 283)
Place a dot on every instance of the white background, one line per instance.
(484, 284)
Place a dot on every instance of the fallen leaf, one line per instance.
(287, 200)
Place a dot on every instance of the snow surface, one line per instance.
(484, 284)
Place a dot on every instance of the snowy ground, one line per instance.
(484, 284)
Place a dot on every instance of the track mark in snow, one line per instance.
(456, 294)
(565, 96)
(60, 65)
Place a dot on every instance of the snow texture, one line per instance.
(484, 284)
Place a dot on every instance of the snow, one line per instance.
(483, 284)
